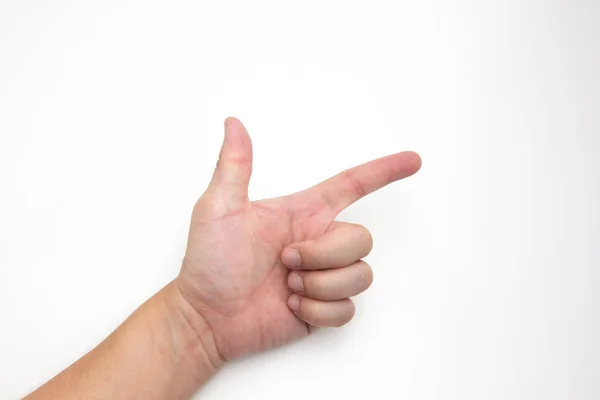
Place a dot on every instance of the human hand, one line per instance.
(263, 273)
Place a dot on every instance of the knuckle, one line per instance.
(348, 314)
(355, 184)
(366, 237)
(362, 277)
(365, 276)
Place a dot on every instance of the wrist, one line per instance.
(195, 337)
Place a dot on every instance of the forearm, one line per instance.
(164, 350)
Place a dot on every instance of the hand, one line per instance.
(263, 273)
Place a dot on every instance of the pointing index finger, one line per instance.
(352, 184)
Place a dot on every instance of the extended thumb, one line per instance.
(232, 174)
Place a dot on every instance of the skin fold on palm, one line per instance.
(244, 260)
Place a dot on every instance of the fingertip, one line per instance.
(291, 258)
(415, 160)
(234, 128)
(231, 119)
(403, 165)
(294, 302)
(295, 282)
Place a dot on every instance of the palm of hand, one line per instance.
(233, 273)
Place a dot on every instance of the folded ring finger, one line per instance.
(332, 284)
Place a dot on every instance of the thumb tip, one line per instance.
(235, 157)
(236, 138)
(229, 121)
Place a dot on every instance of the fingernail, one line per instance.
(291, 258)
(294, 302)
(295, 282)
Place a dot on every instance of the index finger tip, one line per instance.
(414, 160)
(404, 164)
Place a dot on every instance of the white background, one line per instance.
(486, 263)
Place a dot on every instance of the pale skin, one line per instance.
(256, 275)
